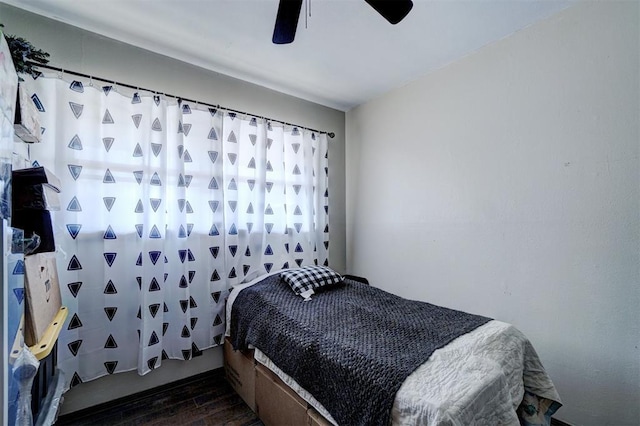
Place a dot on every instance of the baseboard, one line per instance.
(94, 393)
(109, 405)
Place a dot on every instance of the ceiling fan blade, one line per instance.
(286, 21)
(393, 11)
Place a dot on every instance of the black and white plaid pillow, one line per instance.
(307, 278)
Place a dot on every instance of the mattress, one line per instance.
(479, 378)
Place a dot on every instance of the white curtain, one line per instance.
(164, 206)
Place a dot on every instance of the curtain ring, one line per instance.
(61, 74)
(90, 81)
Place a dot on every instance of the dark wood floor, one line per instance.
(206, 399)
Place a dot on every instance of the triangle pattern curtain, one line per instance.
(164, 206)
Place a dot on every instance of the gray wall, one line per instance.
(75, 49)
(507, 184)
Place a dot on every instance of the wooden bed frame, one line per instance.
(265, 393)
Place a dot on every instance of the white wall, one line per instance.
(507, 184)
(74, 49)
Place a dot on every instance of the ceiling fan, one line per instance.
(284, 32)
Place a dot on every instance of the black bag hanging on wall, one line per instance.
(34, 193)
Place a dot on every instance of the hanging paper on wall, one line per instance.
(27, 120)
(42, 295)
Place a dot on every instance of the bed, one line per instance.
(314, 342)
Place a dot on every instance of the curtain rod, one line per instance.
(93, 77)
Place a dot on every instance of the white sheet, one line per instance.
(479, 379)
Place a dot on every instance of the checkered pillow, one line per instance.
(304, 280)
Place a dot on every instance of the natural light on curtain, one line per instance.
(164, 206)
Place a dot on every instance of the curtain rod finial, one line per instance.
(331, 135)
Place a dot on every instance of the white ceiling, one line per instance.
(346, 55)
